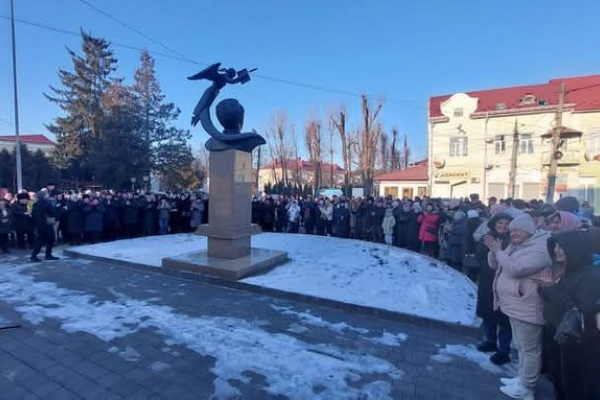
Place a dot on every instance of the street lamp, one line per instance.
(146, 178)
(133, 179)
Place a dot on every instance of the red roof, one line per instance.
(416, 173)
(581, 91)
(28, 139)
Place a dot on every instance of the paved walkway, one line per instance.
(97, 331)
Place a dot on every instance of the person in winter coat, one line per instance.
(280, 216)
(93, 221)
(148, 210)
(496, 326)
(111, 218)
(183, 210)
(457, 230)
(6, 225)
(268, 215)
(520, 269)
(356, 217)
(256, 210)
(130, 214)
(387, 226)
(23, 223)
(574, 365)
(378, 214)
(196, 212)
(469, 246)
(563, 221)
(74, 218)
(309, 215)
(428, 233)
(327, 216)
(43, 217)
(164, 209)
(341, 220)
(293, 216)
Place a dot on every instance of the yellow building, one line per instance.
(471, 137)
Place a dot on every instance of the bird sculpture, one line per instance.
(230, 112)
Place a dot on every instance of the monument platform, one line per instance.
(259, 260)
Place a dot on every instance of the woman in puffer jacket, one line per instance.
(520, 269)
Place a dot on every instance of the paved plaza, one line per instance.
(99, 331)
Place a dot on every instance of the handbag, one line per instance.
(571, 327)
(470, 261)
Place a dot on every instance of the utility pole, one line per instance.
(16, 100)
(485, 155)
(513, 163)
(555, 145)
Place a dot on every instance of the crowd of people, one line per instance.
(537, 265)
(41, 219)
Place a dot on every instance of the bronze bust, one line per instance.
(230, 112)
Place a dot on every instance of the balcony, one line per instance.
(570, 157)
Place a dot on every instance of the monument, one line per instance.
(229, 253)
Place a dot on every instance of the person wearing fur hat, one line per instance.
(520, 269)
(496, 326)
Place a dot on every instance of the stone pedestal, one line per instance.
(229, 229)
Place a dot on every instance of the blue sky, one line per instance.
(401, 51)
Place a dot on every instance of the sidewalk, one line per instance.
(98, 331)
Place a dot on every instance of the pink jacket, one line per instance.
(520, 270)
(429, 224)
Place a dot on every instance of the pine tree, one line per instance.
(166, 145)
(81, 99)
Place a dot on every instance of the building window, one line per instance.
(526, 143)
(458, 147)
(528, 100)
(542, 102)
(594, 145)
(422, 191)
(391, 191)
(500, 106)
(458, 112)
(499, 145)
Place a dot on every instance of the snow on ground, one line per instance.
(349, 271)
(236, 344)
(450, 352)
(386, 338)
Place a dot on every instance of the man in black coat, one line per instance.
(44, 217)
(22, 221)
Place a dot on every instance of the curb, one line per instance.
(302, 298)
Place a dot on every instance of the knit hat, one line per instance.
(23, 196)
(568, 203)
(472, 214)
(523, 222)
(497, 209)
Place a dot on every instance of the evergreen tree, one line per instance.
(7, 170)
(81, 99)
(166, 144)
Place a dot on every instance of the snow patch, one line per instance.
(469, 352)
(386, 338)
(159, 366)
(236, 344)
(129, 354)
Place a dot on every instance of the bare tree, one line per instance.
(384, 152)
(312, 137)
(277, 134)
(406, 152)
(369, 138)
(295, 155)
(340, 125)
(395, 153)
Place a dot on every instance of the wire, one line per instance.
(403, 103)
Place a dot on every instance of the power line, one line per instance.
(269, 78)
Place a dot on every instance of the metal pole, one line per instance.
(16, 100)
(485, 157)
(513, 163)
(555, 144)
